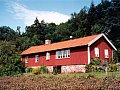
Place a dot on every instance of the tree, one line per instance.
(6, 33)
(91, 18)
(10, 62)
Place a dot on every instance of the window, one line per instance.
(60, 54)
(68, 53)
(63, 54)
(26, 59)
(36, 58)
(96, 52)
(47, 55)
(57, 54)
(106, 53)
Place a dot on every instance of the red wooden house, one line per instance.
(69, 56)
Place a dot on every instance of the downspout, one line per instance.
(88, 49)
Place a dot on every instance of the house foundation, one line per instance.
(69, 69)
(50, 68)
(73, 69)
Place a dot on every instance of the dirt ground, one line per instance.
(58, 83)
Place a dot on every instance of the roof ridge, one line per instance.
(66, 40)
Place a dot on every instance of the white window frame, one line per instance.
(60, 54)
(47, 55)
(97, 52)
(26, 59)
(106, 53)
(57, 52)
(36, 58)
(68, 53)
(63, 54)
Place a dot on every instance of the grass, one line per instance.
(78, 75)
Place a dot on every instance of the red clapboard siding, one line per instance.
(102, 44)
(78, 56)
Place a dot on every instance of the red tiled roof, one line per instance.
(60, 45)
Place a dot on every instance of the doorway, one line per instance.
(57, 69)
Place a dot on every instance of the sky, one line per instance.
(22, 13)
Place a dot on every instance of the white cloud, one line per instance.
(28, 16)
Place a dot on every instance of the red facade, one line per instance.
(102, 44)
(78, 56)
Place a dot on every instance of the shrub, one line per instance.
(43, 69)
(14, 67)
(96, 61)
(96, 65)
(90, 68)
(36, 71)
(29, 69)
(112, 67)
(118, 66)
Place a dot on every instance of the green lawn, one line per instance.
(78, 75)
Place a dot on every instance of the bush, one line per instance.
(36, 71)
(43, 69)
(96, 65)
(14, 67)
(28, 69)
(96, 62)
(118, 66)
(112, 67)
(90, 68)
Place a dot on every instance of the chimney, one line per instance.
(47, 41)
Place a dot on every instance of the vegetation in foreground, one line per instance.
(76, 75)
(71, 82)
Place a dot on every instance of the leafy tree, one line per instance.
(49, 30)
(91, 18)
(62, 32)
(37, 30)
(10, 62)
(6, 33)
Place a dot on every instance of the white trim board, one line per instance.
(88, 54)
(94, 40)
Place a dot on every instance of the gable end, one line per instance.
(97, 38)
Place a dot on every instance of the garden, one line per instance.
(95, 78)
(77, 81)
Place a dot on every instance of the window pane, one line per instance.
(106, 53)
(36, 58)
(96, 52)
(26, 59)
(47, 55)
(56, 54)
(68, 53)
(65, 53)
(62, 54)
